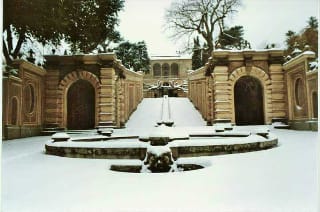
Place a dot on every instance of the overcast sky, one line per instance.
(264, 21)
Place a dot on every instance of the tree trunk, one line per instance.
(6, 53)
(18, 46)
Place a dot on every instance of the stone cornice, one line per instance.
(301, 58)
(87, 59)
(30, 67)
(224, 56)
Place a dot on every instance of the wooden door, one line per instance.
(248, 101)
(81, 106)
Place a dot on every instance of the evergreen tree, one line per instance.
(233, 38)
(196, 56)
(133, 55)
(83, 24)
(308, 36)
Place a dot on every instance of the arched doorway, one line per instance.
(81, 106)
(248, 101)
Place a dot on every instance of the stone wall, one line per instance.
(289, 89)
(23, 101)
(200, 93)
(36, 99)
(302, 90)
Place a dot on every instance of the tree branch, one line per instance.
(6, 53)
(9, 39)
(18, 46)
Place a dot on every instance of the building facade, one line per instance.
(91, 91)
(71, 92)
(168, 75)
(257, 87)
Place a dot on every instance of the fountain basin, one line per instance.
(135, 149)
(137, 168)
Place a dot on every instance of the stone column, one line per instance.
(221, 95)
(278, 92)
(107, 90)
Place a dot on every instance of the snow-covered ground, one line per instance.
(282, 179)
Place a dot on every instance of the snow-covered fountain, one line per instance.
(165, 148)
(159, 159)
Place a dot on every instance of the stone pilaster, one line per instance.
(53, 101)
(209, 102)
(107, 90)
(221, 93)
(278, 92)
(121, 104)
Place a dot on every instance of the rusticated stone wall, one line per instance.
(118, 91)
(36, 99)
(212, 87)
(289, 90)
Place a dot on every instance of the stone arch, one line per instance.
(64, 86)
(174, 69)
(266, 86)
(156, 69)
(165, 70)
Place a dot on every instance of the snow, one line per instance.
(313, 66)
(308, 52)
(158, 150)
(60, 135)
(282, 179)
(99, 144)
(170, 132)
(220, 141)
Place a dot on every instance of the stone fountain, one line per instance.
(167, 148)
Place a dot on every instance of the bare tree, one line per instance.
(203, 17)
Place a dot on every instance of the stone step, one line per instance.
(285, 126)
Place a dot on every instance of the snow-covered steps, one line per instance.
(280, 125)
(165, 116)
